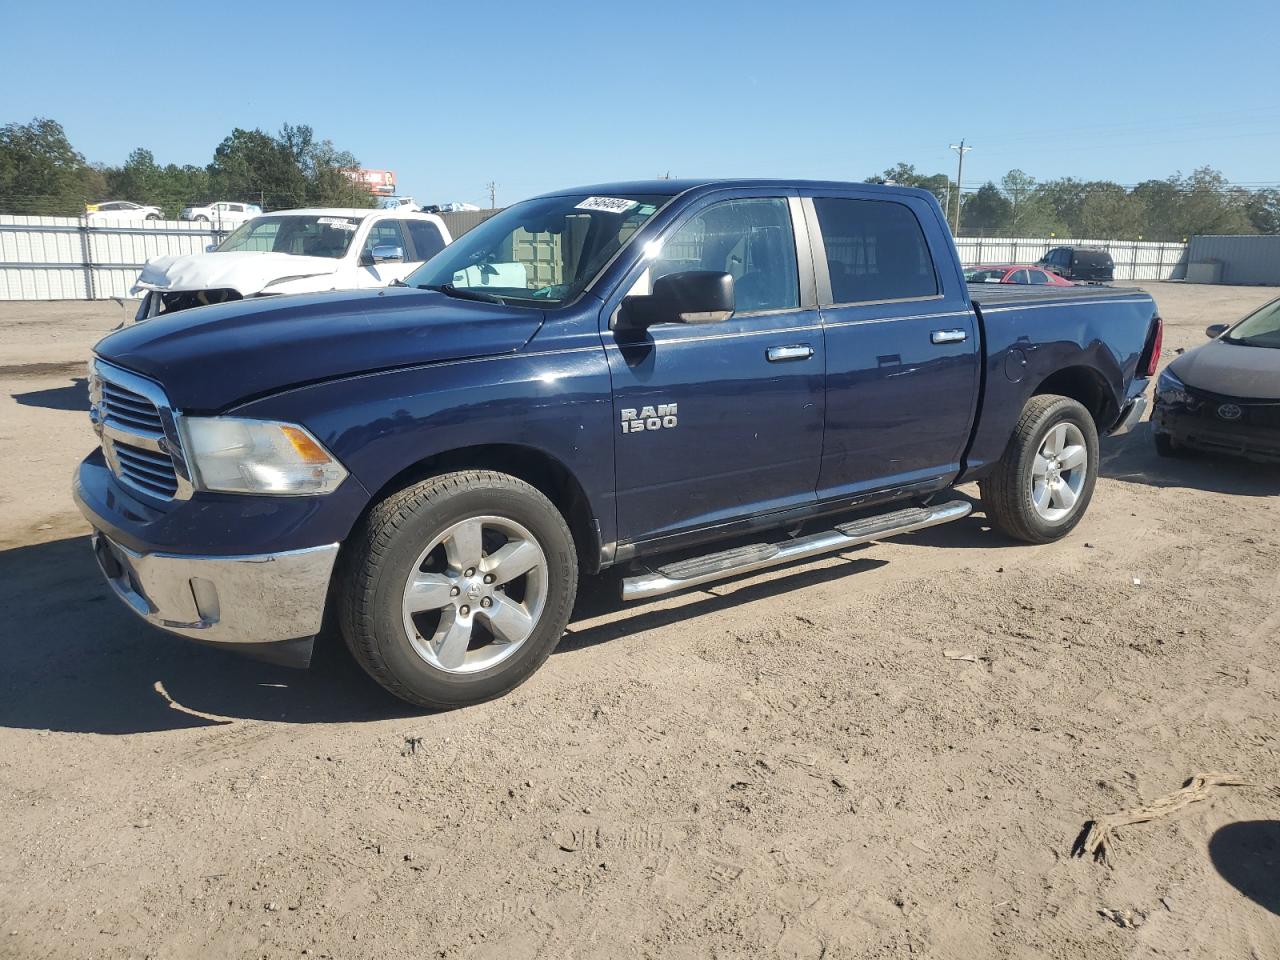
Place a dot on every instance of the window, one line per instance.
(1038, 276)
(427, 241)
(384, 233)
(1019, 276)
(875, 251)
(310, 236)
(542, 252)
(749, 239)
(236, 207)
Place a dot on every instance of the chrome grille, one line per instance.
(138, 432)
(147, 469)
(130, 409)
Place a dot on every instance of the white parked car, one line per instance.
(294, 251)
(398, 203)
(223, 213)
(121, 210)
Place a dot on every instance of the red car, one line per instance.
(1015, 273)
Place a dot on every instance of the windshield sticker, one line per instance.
(607, 204)
(338, 222)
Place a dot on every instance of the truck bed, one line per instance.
(1016, 295)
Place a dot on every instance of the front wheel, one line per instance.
(457, 588)
(1043, 483)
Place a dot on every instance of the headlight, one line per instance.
(233, 455)
(1169, 389)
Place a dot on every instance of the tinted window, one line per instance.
(427, 241)
(1019, 276)
(875, 251)
(1038, 276)
(383, 233)
(749, 239)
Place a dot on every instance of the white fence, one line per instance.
(1134, 259)
(67, 258)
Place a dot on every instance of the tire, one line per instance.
(1038, 511)
(152, 216)
(426, 534)
(1166, 446)
(201, 219)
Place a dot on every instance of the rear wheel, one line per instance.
(1043, 483)
(459, 587)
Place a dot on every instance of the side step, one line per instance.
(758, 556)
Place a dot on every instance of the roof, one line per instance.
(673, 187)
(325, 212)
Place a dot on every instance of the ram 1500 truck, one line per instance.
(690, 379)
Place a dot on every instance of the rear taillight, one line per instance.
(1151, 353)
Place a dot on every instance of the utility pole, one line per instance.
(493, 194)
(961, 150)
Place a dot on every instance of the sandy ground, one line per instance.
(785, 765)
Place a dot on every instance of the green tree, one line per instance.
(1263, 211)
(41, 173)
(253, 166)
(985, 213)
(939, 184)
(1110, 212)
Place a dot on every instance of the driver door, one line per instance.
(717, 421)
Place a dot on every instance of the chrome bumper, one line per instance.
(1132, 415)
(257, 599)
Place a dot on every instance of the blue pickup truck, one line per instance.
(689, 379)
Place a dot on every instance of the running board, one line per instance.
(758, 556)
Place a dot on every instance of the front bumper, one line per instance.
(1204, 433)
(261, 599)
(269, 606)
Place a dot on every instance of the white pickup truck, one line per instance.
(294, 251)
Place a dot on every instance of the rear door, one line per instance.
(901, 338)
(717, 421)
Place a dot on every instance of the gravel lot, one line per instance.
(784, 765)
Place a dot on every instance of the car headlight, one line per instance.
(233, 455)
(1169, 389)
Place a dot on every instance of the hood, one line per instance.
(244, 271)
(1231, 369)
(209, 358)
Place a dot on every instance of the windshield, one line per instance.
(543, 251)
(985, 274)
(311, 236)
(1260, 329)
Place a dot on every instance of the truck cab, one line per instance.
(687, 379)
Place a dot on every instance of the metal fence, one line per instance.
(1243, 260)
(68, 258)
(1134, 259)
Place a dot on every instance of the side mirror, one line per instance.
(695, 296)
(1215, 330)
(388, 253)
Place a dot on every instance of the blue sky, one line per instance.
(548, 94)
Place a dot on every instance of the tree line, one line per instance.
(1174, 208)
(41, 173)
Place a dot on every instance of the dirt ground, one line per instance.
(785, 765)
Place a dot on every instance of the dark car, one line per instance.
(1224, 396)
(1081, 264)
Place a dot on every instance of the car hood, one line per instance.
(210, 358)
(1231, 369)
(244, 271)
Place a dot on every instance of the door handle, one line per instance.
(798, 351)
(948, 336)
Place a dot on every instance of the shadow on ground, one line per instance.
(74, 396)
(1133, 458)
(1247, 855)
(73, 658)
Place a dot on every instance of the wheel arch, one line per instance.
(1087, 386)
(534, 466)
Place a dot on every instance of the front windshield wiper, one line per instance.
(460, 293)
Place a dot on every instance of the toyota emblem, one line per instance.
(1230, 411)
